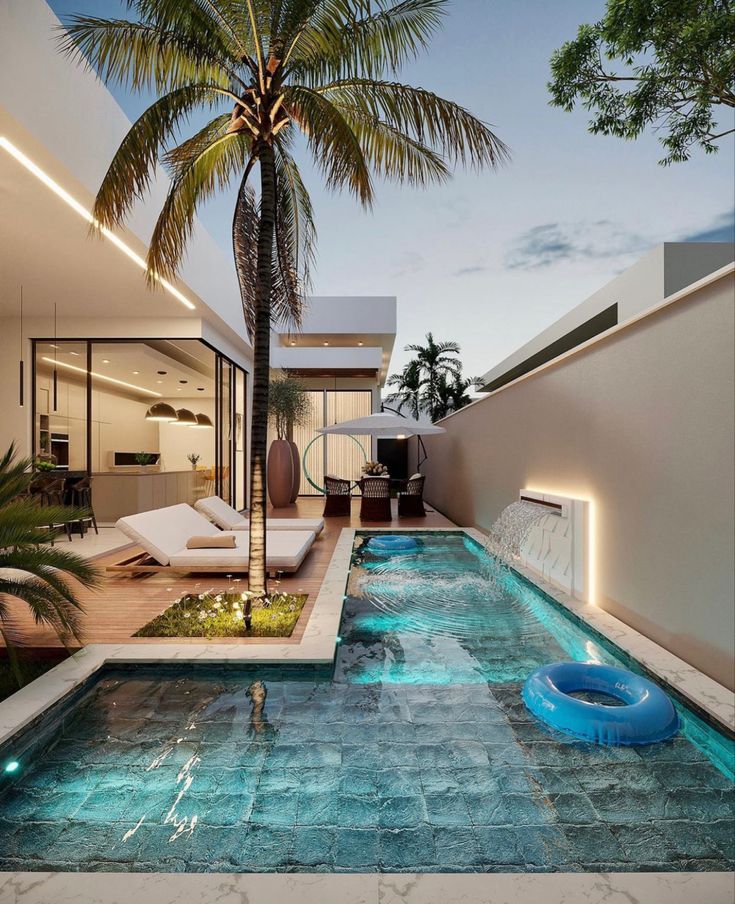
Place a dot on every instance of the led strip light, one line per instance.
(82, 370)
(60, 192)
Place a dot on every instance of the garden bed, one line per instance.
(225, 615)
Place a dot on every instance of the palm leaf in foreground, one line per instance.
(31, 570)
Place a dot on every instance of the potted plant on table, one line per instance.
(193, 460)
(288, 406)
(374, 469)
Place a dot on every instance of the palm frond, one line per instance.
(349, 37)
(130, 174)
(431, 120)
(140, 56)
(333, 144)
(196, 180)
(392, 153)
(295, 216)
(220, 20)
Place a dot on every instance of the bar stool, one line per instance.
(50, 492)
(81, 497)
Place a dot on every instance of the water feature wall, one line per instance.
(548, 534)
(558, 546)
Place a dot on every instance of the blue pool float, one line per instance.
(646, 716)
(392, 543)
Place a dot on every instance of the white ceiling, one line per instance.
(137, 364)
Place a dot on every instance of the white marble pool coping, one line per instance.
(405, 888)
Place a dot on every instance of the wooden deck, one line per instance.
(126, 603)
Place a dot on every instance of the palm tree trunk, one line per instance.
(261, 359)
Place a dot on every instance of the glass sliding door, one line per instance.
(240, 476)
(346, 455)
(341, 456)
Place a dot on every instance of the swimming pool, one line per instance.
(413, 753)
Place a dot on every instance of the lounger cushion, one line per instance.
(223, 541)
(165, 531)
(285, 550)
(228, 518)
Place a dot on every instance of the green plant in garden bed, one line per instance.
(227, 615)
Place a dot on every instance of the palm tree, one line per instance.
(271, 69)
(451, 394)
(408, 391)
(435, 360)
(37, 572)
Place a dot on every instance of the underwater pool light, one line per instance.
(338, 639)
(12, 766)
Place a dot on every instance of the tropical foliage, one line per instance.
(665, 63)
(288, 404)
(432, 381)
(31, 569)
(265, 71)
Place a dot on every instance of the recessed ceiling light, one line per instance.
(105, 360)
(293, 343)
(183, 381)
(178, 389)
(326, 343)
(76, 354)
(162, 373)
(200, 389)
(360, 344)
(159, 381)
(136, 372)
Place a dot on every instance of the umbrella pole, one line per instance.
(422, 447)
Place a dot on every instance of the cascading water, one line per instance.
(509, 532)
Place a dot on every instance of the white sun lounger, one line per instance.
(228, 518)
(164, 533)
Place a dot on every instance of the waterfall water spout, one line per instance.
(510, 531)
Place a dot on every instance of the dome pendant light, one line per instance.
(185, 418)
(204, 422)
(161, 412)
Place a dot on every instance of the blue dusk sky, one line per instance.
(491, 259)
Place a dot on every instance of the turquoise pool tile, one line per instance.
(314, 846)
(593, 844)
(498, 846)
(402, 812)
(447, 809)
(456, 847)
(397, 781)
(353, 811)
(400, 846)
(356, 849)
(274, 809)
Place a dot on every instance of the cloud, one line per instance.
(721, 230)
(556, 243)
(470, 271)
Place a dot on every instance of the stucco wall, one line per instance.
(641, 422)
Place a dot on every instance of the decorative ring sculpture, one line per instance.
(392, 543)
(646, 715)
(306, 454)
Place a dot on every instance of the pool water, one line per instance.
(414, 753)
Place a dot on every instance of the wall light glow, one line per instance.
(592, 597)
(82, 370)
(12, 766)
(85, 214)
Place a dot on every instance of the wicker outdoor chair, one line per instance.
(338, 497)
(375, 505)
(411, 498)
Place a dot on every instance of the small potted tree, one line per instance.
(288, 406)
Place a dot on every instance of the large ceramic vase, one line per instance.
(296, 458)
(280, 473)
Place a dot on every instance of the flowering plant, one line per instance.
(374, 469)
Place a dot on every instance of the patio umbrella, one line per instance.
(383, 424)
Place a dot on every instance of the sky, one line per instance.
(490, 259)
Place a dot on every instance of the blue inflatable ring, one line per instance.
(392, 543)
(646, 715)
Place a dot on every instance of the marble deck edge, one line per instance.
(360, 888)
